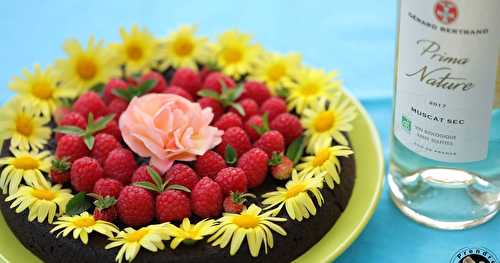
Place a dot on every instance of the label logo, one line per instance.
(406, 123)
(474, 255)
(445, 11)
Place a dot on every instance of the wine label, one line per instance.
(446, 77)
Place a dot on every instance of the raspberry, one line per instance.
(227, 121)
(250, 108)
(187, 79)
(183, 175)
(107, 187)
(206, 198)
(271, 141)
(232, 179)
(104, 143)
(120, 165)
(254, 163)
(160, 85)
(112, 129)
(217, 109)
(60, 171)
(282, 170)
(237, 138)
(288, 125)
(249, 127)
(213, 82)
(273, 106)
(179, 92)
(71, 119)
(209, 164)
(172, 205)
(135, 206)
(84, 174)
(113, 84)
(71, 147)
(141, 174)
(109, 214)
(204, 72)
(256, 91)
(117, 106)
(90, 102)
(60, 112)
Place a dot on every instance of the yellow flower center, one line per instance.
(86, 68)
(134, 51)
(24, 125)
(324, 121)
(295, 190)
(84, 222)
(43, 194)
(276, 72)
(232, 55)
(42, 90)
(183, 47)
(246, 221)
(321, 157)
(137, 235)
(191, 233)
(310, 89)
(25, 163)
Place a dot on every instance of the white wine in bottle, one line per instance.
(445, 151)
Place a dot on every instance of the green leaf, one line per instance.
(156, 177)
(61, 165)
(238, 108)
(89, 141)
(178, 187)
(106, 202)
(235, 93)
(66, 102)
(145, 87)
(209, 93)
(99, 124)
(124, 93)
(265, 125)
(296, 149)
(72, 130)
(146, 185)
(99, 88)
(276, 159)
(283, 92)
(78, 204)
(230, 155)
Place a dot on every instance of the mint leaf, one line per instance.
(99, 124)
(146, 185)
(69, 129)
(209, 93)
(145, 87)
(89, 141)
(230, 155)
(156, 178)
(78, 204)
(178, 187)
(296, 149)
(106, 202)
(238, 108)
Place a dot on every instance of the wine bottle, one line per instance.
(445, 150)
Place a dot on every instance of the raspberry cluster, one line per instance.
(257, 131)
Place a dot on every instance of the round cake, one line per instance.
(174, 149)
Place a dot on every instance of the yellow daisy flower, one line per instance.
(253, 225)
(86, 67)
(295, 196)
(276, 70)
(23, 125)
(42, 200)
(235, 53)
(183, 49)
(325, 121)
(23, 165)
(82, 225)
(309, 86)
(189, 233)
(131, 241)
(138, 50)
(40, 89)
(325, 163)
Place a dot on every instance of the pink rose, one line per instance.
(168, 128)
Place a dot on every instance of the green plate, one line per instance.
(365, 196)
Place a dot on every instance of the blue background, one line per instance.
(355, 37)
